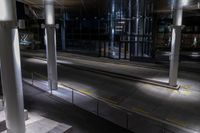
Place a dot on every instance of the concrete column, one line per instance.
(176, 42)
(11, 67)
(50, 40)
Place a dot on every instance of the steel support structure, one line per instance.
(129, 25)
(176, 42)
(63, 31)
(11, 68)
(50, 40)
(137, 32)
(112, 29)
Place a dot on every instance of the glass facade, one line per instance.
(118, 29)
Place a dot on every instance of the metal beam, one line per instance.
(112, 29)
(137, 32)
(129, 25)
(63, 31)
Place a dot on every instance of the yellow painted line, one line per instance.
(177, 122)
(182, 92)
(171, 120)
(108, 100)
(82, 89)
(176, 91)
(185, 92)
(85, 92)
(171, 91)
(140, 110)
(89, 93)
(186, 86)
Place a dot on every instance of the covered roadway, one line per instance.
(139, 97)
(178, 107)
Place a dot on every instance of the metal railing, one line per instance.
(136, 121)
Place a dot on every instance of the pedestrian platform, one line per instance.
(147, 72)
(37, 124)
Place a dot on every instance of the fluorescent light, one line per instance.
(113, 31)
(119, 27)
(121, 22)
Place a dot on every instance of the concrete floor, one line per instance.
(37, 124)
(40, 104)
(188, 66)
(180, 108)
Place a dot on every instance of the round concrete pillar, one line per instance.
(50, 40)
(11, 68)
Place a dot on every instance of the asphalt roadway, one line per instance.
(180, 108)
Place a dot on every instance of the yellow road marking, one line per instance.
(140, 110)
(176, 91)
(185, 92)
(186, 86)
(177, 122)
(182, 92)
(85, 92)
(109, 100)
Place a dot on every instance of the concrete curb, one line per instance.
(124, 76)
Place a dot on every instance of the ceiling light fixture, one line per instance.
(185, 2)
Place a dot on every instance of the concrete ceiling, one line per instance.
(92, 7)
(161, 3)
(67, 3)
(87, 7)
(58, 2)
(168, 5)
